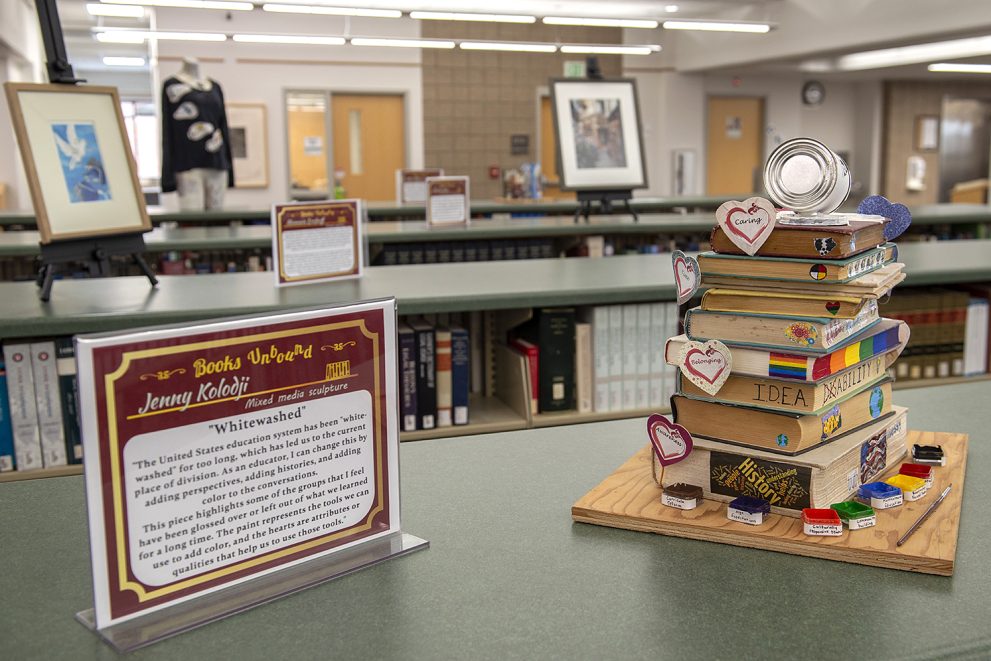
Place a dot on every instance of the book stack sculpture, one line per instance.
(784, 395)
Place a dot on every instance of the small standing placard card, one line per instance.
(226, 451)
(411, 185)
(448, 201)
(316, 241)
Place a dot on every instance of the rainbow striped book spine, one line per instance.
(787, 366)
(854, 353)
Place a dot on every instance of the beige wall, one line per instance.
(473, 101)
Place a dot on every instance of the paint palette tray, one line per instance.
(629, 498)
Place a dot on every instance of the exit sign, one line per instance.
(574, 68)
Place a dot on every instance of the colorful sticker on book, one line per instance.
(686, 275)
(786, 366)
(781, 484)
(831, 422)
(747, 224)
(706, 364)
(782, 440)
(817, 272)
(671, 441)
(832, 307)
(876, 401)
(802, 333)
(873, 457)
(824, 246)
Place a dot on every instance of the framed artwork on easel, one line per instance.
(78, 161)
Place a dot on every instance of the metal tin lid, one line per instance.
(806, 176)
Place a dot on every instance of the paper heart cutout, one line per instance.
(747, 224)
(706, 364)
(686, 275)
(671, 441)
(898, 215)
(832, 307)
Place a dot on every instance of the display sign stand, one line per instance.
(133, 634)
(605, 198)
(95, 253)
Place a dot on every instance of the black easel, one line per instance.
(605, 200)
(93, 252)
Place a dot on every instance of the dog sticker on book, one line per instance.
(824, 246)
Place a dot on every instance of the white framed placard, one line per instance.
(222, 452)
(411, 185)
(316, 241)
(448, 201)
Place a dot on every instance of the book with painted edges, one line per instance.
(796, 365)
(780, 431)
(828, 474)
(811, 241)
(815, 335)
(789, 269)
(795, 396)
(752, 301)
(875, 284)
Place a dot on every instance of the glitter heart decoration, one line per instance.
(898, 215)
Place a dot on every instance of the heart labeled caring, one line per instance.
(706, 364)
(671, 441)
(747, 224)
(686, 275)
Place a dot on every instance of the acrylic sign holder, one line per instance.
(153, 627)
(630, 499)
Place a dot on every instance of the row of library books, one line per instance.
(434, 374)
(442, 252)
(39, 425)
(170, 263)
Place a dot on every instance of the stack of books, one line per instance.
(805, 416)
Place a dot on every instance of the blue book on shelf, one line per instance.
(460, 377)
(6, 431)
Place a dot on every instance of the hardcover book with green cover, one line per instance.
(788, 269)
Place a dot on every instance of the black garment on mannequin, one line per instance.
(194, 131)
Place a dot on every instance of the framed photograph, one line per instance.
(597, 123)
(248, 128)
(927, 132)
(78, 160)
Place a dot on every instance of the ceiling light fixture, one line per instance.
(118, 61)
(951, 67)
(227, 5)
(462, 16)
(401, 43)
(605, 49)
(919, 53)
(139, 36)
(718, 26)
(508, 46)
(601, 22)
(289, 39)
(671, 8)
(116, 11)
(331, 11)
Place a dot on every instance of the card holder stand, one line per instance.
(153, 627)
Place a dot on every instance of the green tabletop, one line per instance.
(509, 576)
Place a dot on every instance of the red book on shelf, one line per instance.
(531, 352)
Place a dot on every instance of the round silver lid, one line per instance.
(806, 176)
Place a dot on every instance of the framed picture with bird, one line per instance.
(78, 160)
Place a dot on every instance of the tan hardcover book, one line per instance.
(779, 431)
(782, 303)
(875, 284)
(442, 339)
(796, 396)
(812, 241)
(787, 269)
(583, 367)
(829, 474)
(816, 335)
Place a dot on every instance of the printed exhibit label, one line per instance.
(448, 201)
(219, 452)
(316, 241)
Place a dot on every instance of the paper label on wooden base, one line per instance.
(861, 522)
(751, 518)
(679, 503)
(823, 529)
(915, 494)
(886, 503)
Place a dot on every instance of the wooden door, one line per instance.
(735, 144)
(548, 154)
(369, 143)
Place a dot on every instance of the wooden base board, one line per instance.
(630, 499)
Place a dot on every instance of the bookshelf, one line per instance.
(87, 306)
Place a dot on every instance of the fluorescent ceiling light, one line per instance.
(288, 39)
(227, 5)
(940, 50)
(114, 61)
(402, 43)
(117, 11)
(508, 46)
(138, 36)
(671, 8)
(950, 67)
(331, 11)
(717, 26)
(609, 50)
(601, 22)
(460, 16)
